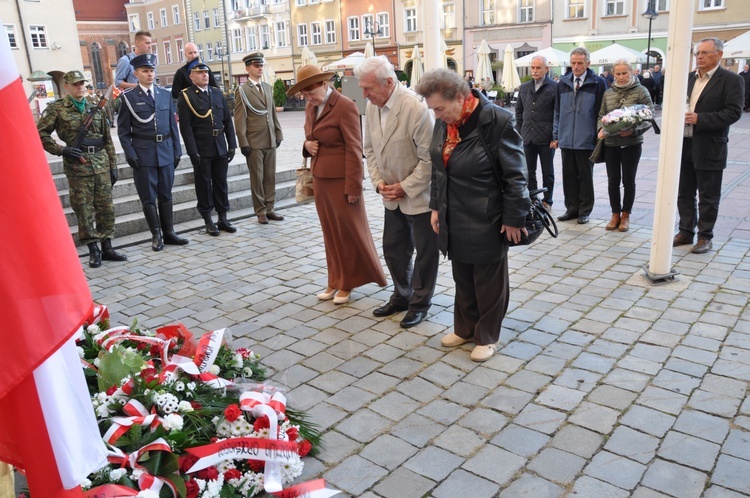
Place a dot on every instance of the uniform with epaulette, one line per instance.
(91, 169)
(150, 139)
(208, 132)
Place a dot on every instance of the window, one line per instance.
(302, 35)
(367, 25)
(281, 34)
(330, 31)
(216, 18)
(197, 21)
(313, 1)
(237, 40)
(711, 4)
(175, 14)
(614, 8)
(353, 23)
(200, 51)
(206, 19)
(449, 16)
(38, 36)
(152, 48)
(488, 12)
(122, 49)
(576, 9)
(209, 51)
(135, 23)
(167, 53)
(150, 20)
(526, 11)
(163, 17)
(180, 50)
(410, 16)
(252, 38)
(662, 5)
(317, 35)
(10, 31)
(384, 24)
(265, 37)
(300, 2)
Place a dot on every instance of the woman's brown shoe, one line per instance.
(624, 222)
(614, 222)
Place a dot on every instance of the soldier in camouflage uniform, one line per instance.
(91, 172)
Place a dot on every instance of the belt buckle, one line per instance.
(215, 132)
(159, 138)
(91, 149)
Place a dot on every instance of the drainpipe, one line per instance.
(23, 32)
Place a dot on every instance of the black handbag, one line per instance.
(598, 155)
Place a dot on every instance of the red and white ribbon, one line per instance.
(243, 448)
(310, 489)
(146, 480)
(272, 406)
(164, 345)
(138, 415)
(208, 349)
(110, 491)
(199, 366)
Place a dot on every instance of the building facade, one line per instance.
(317, 26)
(369, 22)
(206, 24)
(103, 38)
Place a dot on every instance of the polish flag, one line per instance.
(47, 423)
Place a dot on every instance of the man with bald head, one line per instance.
(182, 76)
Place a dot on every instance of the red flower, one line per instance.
(232, 474)
(209, 474)
(232, 413)
(186, 461)
(261, 423)
(149, 374)
(111, 390)
(155, 350)
(292, 433)
(304, 448)
(192, 489)
(256, 465)
(196, 405)
(244, 352)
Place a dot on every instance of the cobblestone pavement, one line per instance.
(604, 386)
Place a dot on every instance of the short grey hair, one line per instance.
(380, 66)
(622, 62)
(445, 82)
(581, 51)
(717, 42)
(544, 60)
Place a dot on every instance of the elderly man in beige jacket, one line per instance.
(397, 140)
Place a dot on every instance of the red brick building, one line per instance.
(103, 36)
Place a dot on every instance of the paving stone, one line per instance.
(495, 464)
(722, 385)
(459, 481)
(354, 475)
(377, 383)
(465, 393)
(520, 440)
(540, 418)
(528, 381)
(613, 397)
(530, 485)
(507, 400)
(434, 463)
(595, 417)
(396, 482)
(614, 469)
(577, 440)
(358, 367)
(632, 444)
(719, 492)
(388, 451)
(627, 379)
(394, 405)
(594, 362)
(674, 479)
(702, 425)
(419, 389)
(562, 398)
(689, 450)
(686, 367)
(546, 365)
(575, 378)
(563, 351)
(484, 421)
(417, 430)
(443, 411)
(441, 374)
(718, 404)
(557, 465)
(337, 448)
(587, 487)
(732, 473)
(460, 441)
(521, 350)
(640, 365)
(662, 400)
(677, 382)
(648, 420)
(737, 444)
(363, 426)
(351, 398)
(333, 382)
(732, 369)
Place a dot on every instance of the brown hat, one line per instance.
(253, 57)
(306, 76)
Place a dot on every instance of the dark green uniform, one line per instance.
(90, 184)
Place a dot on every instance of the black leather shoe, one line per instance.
(413, 318)
(109, 254)
(95, 255)
(567, 216)
(388, 310)
(224, 224)
(582, 220)
(210, 226)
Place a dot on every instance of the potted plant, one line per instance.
(279, 95)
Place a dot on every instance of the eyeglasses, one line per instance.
(704, 53)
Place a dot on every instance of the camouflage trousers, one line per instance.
(91, 200)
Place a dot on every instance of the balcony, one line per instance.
(257, 11)
(278, 8)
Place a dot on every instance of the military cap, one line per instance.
(145, 60)
(253, 57)
(73, 77)
(90, 86)
(201, 66)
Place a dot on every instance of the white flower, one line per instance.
(214, 369)
(97, 363)
(93, 329)
(102, 411)
(185, 407)
(238, 361)
(81, 354)
(247, 372)
(191, 386)
(136, 474)
(148, 493)
(179, 386)
(173, 422)
(81, 334)
(86, 484)
(117, 474)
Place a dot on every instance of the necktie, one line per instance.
(150, 96)
(260, 88)
(578, 84)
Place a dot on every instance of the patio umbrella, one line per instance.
(738, 48)
(511, 80)
(484, 67)
(443, 54)
(349, 62)
(615, 52)
(269, 75)
(416, 67)
(555, 58)
(369, 50)
(308, 57)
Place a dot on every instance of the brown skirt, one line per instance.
(350, 251)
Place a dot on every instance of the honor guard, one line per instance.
(148, 134)
(89, 162)
(208, 132)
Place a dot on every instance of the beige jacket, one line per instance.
(401, 153)
(256, 124)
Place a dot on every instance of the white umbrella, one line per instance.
(581, 45)
(615, 52)
(511, 80)
(349, 62)
(484, 67)
(269, 75)
(416, 67)
(308, 57)
(443, 54)
(738, 48)
(555, 58)
(369, 50)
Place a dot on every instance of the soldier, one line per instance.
(91, 97)
(91, 170)
(206, 127)
(148, 135)
(259, 135)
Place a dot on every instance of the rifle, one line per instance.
(86, 122)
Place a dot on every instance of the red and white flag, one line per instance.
(47, 423)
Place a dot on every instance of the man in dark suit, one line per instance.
(715, 98)
(745, 73)
(206, 127)
(258, 135)
(149, 137)
(182, 77)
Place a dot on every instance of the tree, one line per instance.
(279, 93)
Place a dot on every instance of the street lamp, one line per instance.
(373, 33)
(650, 14)
(220, 52)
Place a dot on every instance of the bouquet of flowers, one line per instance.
(187, 418)
(636, 117)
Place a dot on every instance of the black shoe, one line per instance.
(152, 218)
(413, 318)
(95, 255)
(109, 254)
(567, 216)
(210, 227)
(167, 225)
(224, 224)
(582, 220)
(388, 310)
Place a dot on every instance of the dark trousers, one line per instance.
(211, 184)
(413, 286)
(546, 159)
(622, 165)
(154, 182)
(482, 296)
(578, 181)
(700, 213)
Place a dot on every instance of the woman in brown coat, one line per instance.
(333, 141)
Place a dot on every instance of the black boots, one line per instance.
(109, 254)
(95, 255)
(210, 227)
(167, 225)
(224, 224)
(152, 218)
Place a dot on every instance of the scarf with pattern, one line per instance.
(452, 138)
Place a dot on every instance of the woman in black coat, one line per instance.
(479, 202)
